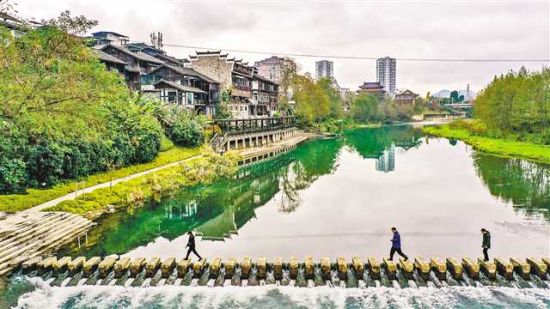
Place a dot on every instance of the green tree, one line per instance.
(335, 102)
(312, 103)
(454, 96)
(517, 106)
(62, 114)
(365, 108)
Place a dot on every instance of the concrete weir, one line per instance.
(341, 272)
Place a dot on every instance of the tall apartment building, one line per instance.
(324, 68)
(274, 68)
(385, 73)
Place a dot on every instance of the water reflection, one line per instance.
(220, 210)
(524, 184)
(381, 144)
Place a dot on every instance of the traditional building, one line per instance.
(374, 88)
(17, 27)
(138, 64)
(111, 63)
(200, 91)
(110, 37)
(406, 97)
(233, 75)
(265, 94)
(189, 97)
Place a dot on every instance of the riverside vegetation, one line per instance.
(64, 117)
(511, 117)
(134, 193)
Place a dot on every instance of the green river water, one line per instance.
(332, 197)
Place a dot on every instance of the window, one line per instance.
(190, 98)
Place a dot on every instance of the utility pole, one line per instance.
(156, 39)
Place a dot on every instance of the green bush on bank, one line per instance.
(33, 197)
(499, 147)
(64, 116)
(133, 193)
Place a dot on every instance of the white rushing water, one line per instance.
(45, 296)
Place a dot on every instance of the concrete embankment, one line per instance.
(355, 272)
(275, 148)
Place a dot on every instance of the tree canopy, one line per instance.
(517, 105)
(62, 114)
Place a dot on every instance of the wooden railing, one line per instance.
(239, 126)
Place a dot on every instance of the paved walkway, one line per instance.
(74, 194)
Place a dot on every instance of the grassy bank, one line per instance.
(33, 197)
(135, 192)
(500, 147)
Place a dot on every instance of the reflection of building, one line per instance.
(385, 73)
(386, 162)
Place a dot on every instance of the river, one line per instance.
(333, 197)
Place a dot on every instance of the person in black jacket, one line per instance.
(191, 246)
(486, 243)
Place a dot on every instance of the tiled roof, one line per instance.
(267, 80)
(103, 56)
(186, 71)
(108, 32)
(140, 56)
(371, 85)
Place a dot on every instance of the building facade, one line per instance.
(186, 87)
(235, 77)
(374, 88)
(138, 64)
(324, 69)
(110, 37)
(275, 68)
(386, 74)
(265, 95)
(406, 97)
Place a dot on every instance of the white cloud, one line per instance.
(488, 30)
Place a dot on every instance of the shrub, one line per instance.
(186, 132)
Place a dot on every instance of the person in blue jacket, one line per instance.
(396, 245)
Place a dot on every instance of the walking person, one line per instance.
(486, 243)
(396, 245)
(191, 246)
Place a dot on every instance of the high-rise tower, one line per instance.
(385, 73)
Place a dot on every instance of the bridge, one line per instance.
(458, 105)
(372, 272)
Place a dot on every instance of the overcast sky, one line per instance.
(400, 29)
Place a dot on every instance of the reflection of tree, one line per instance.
(371, 143)
(222, 208)
(289, 184)
(524, 184)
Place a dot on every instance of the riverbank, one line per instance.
(34, 197)
(200, 170)
(499, 147)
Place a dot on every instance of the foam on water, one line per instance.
(45, 296)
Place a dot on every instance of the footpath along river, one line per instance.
(332, 197)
